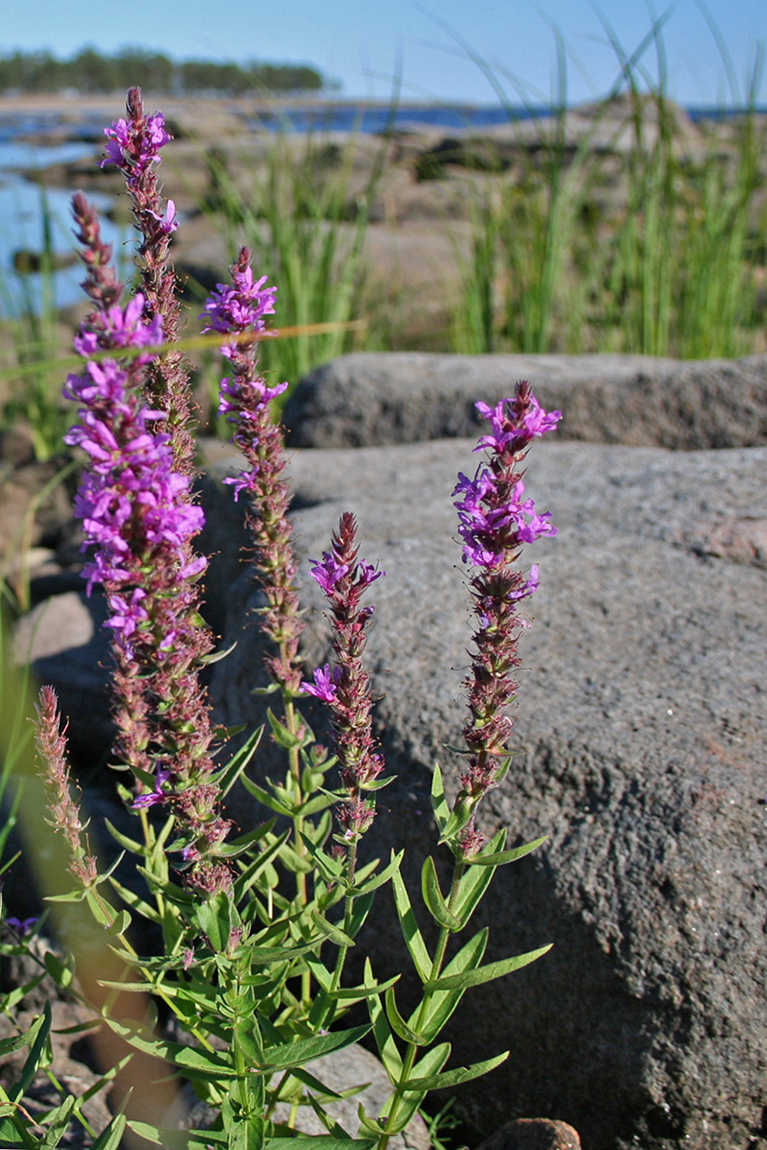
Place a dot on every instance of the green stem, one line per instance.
(459, 867)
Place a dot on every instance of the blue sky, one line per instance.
(360, 42)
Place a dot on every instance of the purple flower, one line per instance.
(155, 796)
(508, 432)
(22, 925)
(328, 571)
(239, 307)
(168, 222)
(129, 150)
(325, 683)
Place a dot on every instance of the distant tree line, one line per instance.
(89, 71)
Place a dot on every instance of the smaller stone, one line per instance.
(533, 1134)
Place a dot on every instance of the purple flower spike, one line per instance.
(239, 310)
(325, 683)
(494, 521)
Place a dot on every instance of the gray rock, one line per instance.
(64, 641)
(371, 398)
(641, 753)
(342, 1070)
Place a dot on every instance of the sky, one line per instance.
(436, 47)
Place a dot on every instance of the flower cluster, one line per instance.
(134, 146)
(137, 512)
(239, 310)
(346, 687)
(495, 520)
(51, 745)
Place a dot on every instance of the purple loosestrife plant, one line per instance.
(244, 970)
(137, 513)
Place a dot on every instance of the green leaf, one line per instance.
(134, 902)
(178, 1139)
(318, 803)
(264, 797)
(409, 927)
(397, 1022)
(122, 921)
(37, 1048)
(431, 1063)
(434, 899)
(57, 1121)
(208, 1066)
(111, 1137)
(245, 842)
(122, 840)
(318, 1142)
(457, 1076)
(216, 918)
(282, 736)
(487, 973)
(459, 817)
(379, 879)
(305, 1050)
(440, 1005)
(358, 992)
(438, 800)
(330, 868)
(360, 910)
(257, 867)
(387, 1047)
(473, 884)
(333, 932)
(239, 761)
(11, 1045)
(500, 858)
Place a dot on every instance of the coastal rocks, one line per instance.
(640, 752)
(372, 398)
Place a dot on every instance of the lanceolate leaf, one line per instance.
(434, 899)
(208, 1066)
(457, 1076)
(305, 1050)
(178, 1139)
(502, 857)
(410, 932)
(441, 1004)
(387, 1047)
(111, 1137)
(397, 1022)
(487, 973)
(438, 800)
(431, 1063)
(473, 885)
(318, 1142)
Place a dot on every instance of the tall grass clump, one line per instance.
(650, 243)
(303, 219)
(32, 350)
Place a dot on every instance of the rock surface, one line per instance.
(377, 398)
(641, 753)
